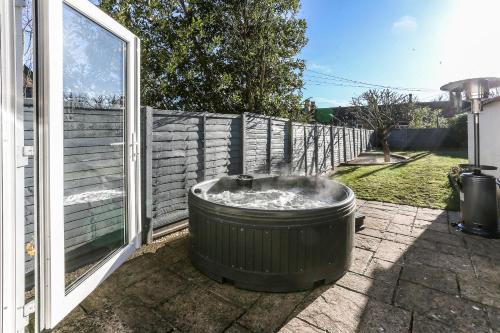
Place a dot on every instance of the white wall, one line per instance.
(489, 136)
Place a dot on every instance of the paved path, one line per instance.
(411, 273)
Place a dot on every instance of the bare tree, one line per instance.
(27, 24)
(382, 110)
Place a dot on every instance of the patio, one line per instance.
(411, 272)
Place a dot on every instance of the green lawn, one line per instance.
(421, 182)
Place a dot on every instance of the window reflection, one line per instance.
(94, 156)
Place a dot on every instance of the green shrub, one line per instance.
(457, 132)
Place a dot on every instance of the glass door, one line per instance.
(90, 163)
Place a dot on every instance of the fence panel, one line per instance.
(280, 143)
(310, 149)
(177, 163)
(256, 143)
(298, 149)
(358, 141)
(222, 145)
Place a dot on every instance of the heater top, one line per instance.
(476, 88)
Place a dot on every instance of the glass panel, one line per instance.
(28, 121)
(94, 150)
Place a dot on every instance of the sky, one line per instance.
(93, 59)
(420, 44)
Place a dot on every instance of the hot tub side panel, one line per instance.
(270, 256)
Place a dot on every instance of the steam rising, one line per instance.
(321, 194)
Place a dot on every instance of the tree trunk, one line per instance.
(385, 148)
(383, 136)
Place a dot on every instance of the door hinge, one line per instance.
(23, 154)
(28, 309)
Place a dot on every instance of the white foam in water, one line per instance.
(272, 199)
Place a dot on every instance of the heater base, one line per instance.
(476, 231)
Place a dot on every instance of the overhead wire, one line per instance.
(334, 80)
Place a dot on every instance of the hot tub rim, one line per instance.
(339, 208)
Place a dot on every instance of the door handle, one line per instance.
(134, 145)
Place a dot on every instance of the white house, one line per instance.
(489, 135)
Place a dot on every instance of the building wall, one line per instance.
(489, 136)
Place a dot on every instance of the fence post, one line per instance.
(147, 174)
(369, 139)
(269, 143)
(204, 144)
(290, 147)
(351, 147)
(361, 140)
(332, 151)
(243, 143)
(323, 163)
(315, 156)
(354, 143)
(305, 149)
(345, 146)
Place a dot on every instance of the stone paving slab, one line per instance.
(422, 324)
(411, 272)
(383, 270)
(432, 277)
(377, 289)
(479, 290)
(366, 242)
(448, 309)
(263, 317)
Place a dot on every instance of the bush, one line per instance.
(425, 117)
(457, 132)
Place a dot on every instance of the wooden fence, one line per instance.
(181, 149)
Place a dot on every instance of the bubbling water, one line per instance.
(272, 199)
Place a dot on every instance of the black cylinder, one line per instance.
(244, 181)
(271, 250)
(478, 204)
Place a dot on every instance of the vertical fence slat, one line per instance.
(269, 144)
(290, 147)
(324, 147)
(315, 142)
(243, 143)
(345, 146)
(147, 174)
(332, 145)
(354, 144)
(361, 142)
(204, 144)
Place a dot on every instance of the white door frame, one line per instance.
(55, 303)
(12, 169)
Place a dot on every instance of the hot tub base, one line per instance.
(271, 250)
(283, 282)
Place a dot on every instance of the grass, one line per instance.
(421, 182)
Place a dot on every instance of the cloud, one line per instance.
(317, 67)
(404, 24)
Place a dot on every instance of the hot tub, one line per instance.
(272, 233)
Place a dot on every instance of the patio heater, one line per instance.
(478, 203)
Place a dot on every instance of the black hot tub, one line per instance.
(272, 233)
